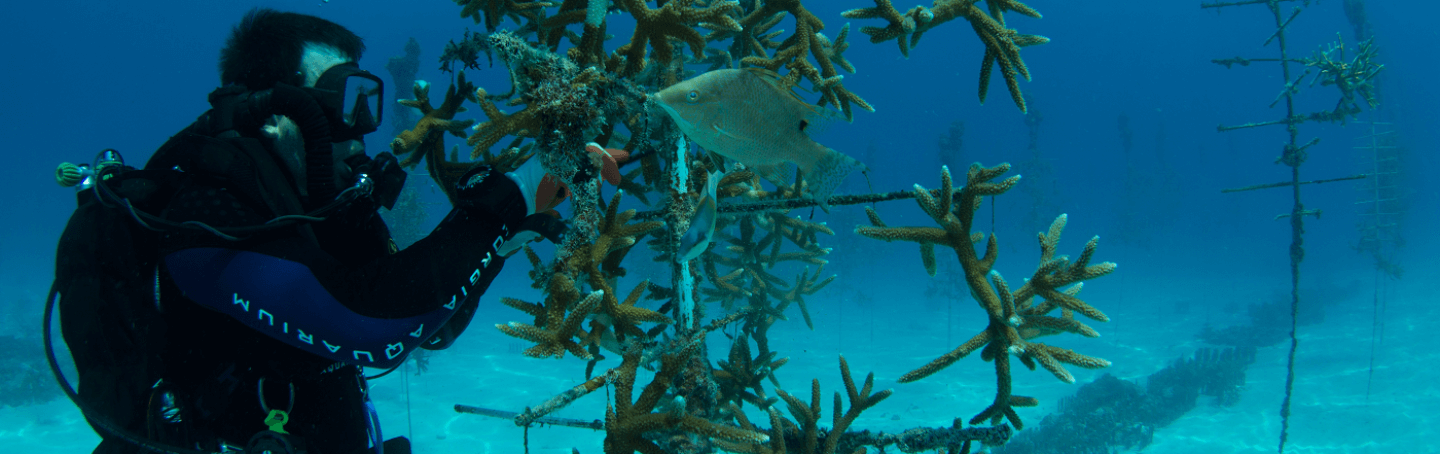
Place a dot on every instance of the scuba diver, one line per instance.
(227, 296)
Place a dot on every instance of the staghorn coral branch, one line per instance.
(1012, 317)
(674, 20)
(947, 359)
(436, 120)
(615, 239)
(524, 123)
(1002, 45)
(793, 52)
(495, 10)
(627, 421)
(859, 401)
(554, 328)
(900, 25)
(807, 417)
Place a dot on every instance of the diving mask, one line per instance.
(353, 101)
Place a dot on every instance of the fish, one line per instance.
(701, 233)
(746, 115)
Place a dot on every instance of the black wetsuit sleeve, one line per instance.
(367, 312)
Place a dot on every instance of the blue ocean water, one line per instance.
(87, 75)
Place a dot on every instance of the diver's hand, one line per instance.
(484, 189)
(533, 228)
(542, 191)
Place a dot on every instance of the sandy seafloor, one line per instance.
(1332, 413)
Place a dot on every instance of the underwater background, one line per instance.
(1120, 135)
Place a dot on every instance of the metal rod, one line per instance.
(1293, 15)
(1289, 183)
(576, 423)
(1242, 61)
(790, 204)
(1285, 121)
(1249, 2)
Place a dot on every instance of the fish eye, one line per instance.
(692, 96)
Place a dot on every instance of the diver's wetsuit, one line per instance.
(291, 308)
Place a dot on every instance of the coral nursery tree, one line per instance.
(582, 108)
(1352, 73)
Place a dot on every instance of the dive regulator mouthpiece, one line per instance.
(82, 176)
(69, 175)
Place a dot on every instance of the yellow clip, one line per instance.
(276, 421)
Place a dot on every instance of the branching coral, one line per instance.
(617, 236)
(1002, 45)
(627, 422)
(759, 247)
(1014, 317)
(793, 52)
(552, 29)
(741, 377)
(588, 50)
(496, 10)
(814, 440)
(427, 140)
(755, 39)
(716, 58)
(674, 20)
(435, 122)
(805, 284)
(557, 320)
(524, 123)
(466, 52)
(1354, 77)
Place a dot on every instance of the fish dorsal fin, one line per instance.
(815, 116)
(775, 80)
(771, 77)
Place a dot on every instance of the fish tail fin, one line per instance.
(828, 173)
